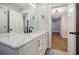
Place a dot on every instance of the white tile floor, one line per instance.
(55, 52)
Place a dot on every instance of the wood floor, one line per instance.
(58, 42)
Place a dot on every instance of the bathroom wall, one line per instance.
(10, 6)
(56, 26)
(64, 23)
(43, 17)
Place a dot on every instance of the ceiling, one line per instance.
(27, 6)
(20, 6)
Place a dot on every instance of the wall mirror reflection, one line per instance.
(18, 18)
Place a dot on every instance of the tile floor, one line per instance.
(55, 52)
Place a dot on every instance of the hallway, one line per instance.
(58, 42)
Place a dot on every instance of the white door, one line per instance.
(3, 20)
(71, 28)
(16, 21)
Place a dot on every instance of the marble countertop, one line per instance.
(16, 40)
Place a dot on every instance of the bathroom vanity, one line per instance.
(23, 44)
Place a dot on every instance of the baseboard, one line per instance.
(64, 36)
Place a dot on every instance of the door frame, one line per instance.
(50, 27)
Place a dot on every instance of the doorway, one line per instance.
(59, 37)
(71, 18)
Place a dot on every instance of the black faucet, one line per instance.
(30, 29)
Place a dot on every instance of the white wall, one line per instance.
(64, 23)
(3, 20)
(56, 26)
(43, 11)
(10, 7)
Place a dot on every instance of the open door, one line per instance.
(71, 28)
(77, 28)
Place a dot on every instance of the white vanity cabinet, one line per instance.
(43, 44)
(37, 46)
(24, 45)
(30, 48)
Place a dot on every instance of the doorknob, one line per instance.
(74, 33)
(11, 29)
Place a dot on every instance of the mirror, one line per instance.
(30, 21)
(3, 20)
(12, 20)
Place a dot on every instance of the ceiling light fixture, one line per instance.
(32, 4)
